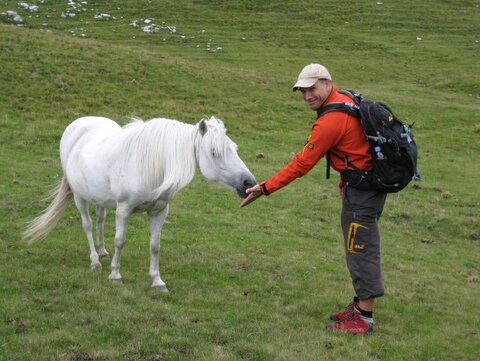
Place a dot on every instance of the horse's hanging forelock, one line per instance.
(216, 139)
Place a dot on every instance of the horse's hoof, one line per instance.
(103, 254)
(96, 267)
(116, 281)
(161, 288)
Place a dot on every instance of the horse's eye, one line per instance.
(215, 154)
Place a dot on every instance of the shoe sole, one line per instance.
(370, 331)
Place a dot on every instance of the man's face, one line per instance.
(316, 94)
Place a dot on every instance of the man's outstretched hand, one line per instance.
(253, 193)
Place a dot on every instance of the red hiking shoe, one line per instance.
(346, 314)
(355, 325)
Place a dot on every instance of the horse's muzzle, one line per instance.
(247, 182)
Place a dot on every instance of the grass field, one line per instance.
(255, 283)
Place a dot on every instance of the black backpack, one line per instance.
(393, 148)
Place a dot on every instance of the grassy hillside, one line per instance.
(255, 283)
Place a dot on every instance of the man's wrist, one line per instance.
(264, 189)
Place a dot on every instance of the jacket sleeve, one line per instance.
(325, 134)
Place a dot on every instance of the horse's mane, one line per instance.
(164, 151)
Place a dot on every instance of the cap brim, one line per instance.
(304, 83)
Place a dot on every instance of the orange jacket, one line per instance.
(336, 131)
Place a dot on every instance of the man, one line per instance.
(340, 134)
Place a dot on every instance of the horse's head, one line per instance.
(218, 159)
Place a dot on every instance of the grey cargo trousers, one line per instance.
(361, 211)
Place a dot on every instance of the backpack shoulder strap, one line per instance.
(350, 108)
(352, 94)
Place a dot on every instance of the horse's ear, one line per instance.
(202, 127)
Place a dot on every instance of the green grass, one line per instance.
(255, 283)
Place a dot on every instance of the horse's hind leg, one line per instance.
(101, 212)
(88, 228)
(156, 222)
(121, 219)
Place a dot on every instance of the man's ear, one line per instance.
(202, 127)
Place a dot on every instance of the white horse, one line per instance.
(138, 167)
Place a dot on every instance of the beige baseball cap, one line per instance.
(310, 74)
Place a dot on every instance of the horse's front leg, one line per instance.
(121, 219)
(101, 212)
(156, 222)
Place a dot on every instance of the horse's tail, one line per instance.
(43, 224)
